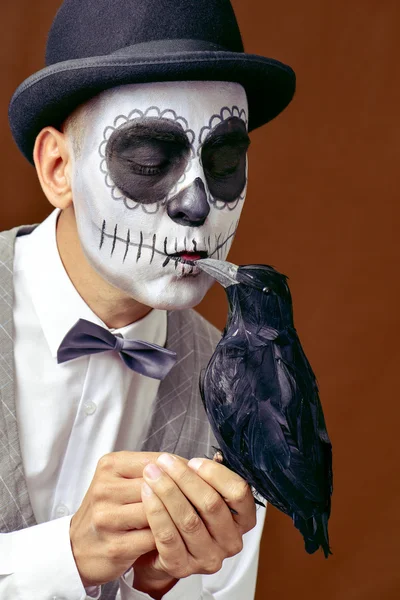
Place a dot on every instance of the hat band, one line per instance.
(159, 47)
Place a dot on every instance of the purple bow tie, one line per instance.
(88, 338)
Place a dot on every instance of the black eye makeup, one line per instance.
(146, 157)
(224, 159)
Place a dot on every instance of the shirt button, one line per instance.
(62, 510)
(89, 408)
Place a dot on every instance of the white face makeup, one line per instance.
(159, 181)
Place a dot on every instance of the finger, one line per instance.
(219, 458)
(187, 521)
(234, 489)
(122, 518)
(208, 502)
(118, 490)
(173, 555)
(126, 464)
(133, 544)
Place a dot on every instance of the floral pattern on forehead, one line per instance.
(120, 121)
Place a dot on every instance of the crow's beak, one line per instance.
(224, 272)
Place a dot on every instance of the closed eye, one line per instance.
(148, 169)
(146, 157)
(224, 161)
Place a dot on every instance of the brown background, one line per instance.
(323, 208)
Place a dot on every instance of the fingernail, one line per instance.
(146, 489)
(152, 471)
(166, 460)
(195, 463)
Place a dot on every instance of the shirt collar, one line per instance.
(57, 303)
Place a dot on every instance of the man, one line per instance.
(138, 129)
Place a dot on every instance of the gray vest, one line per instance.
(178, 423)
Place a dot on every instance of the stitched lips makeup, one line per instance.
(191, 257)
(186, 258)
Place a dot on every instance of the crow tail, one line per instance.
(315, 532)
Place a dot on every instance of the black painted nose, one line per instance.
(190, 207)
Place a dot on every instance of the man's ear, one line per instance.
(53, 163)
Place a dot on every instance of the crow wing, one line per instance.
(248, 393)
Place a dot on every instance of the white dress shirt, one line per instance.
(69, 416)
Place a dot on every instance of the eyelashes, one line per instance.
(149, 170)
(217, 167)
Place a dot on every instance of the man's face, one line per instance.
(160, 181)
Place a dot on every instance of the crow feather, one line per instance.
(261, 398)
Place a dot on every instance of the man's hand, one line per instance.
(188, 509)
(110, 530)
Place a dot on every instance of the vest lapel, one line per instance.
(179, 423)
(15, 507)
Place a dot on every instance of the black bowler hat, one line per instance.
(94, 45)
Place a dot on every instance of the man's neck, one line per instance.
(115, 308)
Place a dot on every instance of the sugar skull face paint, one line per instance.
(160, 180)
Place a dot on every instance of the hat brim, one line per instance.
(50, 95)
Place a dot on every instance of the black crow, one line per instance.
(261, 398)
